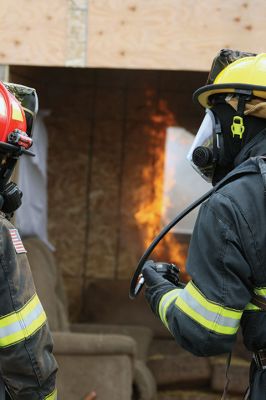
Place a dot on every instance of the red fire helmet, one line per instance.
(12, 115)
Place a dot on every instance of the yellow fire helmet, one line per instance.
(246, 75)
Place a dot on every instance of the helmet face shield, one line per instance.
(203, 152)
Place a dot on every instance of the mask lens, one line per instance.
(204, 140)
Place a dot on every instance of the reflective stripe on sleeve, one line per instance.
(52, 396)
(210, 315)
(260, 291)
(23, 323)
(165, 302)
(252, 307)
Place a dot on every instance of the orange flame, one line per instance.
(150, 211)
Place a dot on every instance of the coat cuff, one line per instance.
(154, 294)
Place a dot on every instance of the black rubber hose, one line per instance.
(160, 236)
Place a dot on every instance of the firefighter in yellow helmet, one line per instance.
(27, 365)
(227, 253)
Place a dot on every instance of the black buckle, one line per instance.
(260, 359)
(247, 92)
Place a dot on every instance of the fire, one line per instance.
(151, 207)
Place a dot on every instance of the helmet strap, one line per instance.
(238, 127)
(243, 97)
(241, 105)
(218, 146)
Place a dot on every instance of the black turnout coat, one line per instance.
(27, 365)
(227, 265)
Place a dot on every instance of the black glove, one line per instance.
(150, 274)
(154, 276)
(155, 271)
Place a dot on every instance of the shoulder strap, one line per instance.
(261, 161)
(259, 301)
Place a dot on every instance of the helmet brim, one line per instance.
(201, 95)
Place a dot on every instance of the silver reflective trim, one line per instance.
(21, 323)
(33, 315)
(209, 315)
(171, 296)
(166, 301)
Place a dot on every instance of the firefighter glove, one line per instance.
(156, 284)
(150, 274)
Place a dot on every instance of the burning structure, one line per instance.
(106, 168)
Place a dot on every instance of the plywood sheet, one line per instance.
(67, 168)
(171, 34)
(33, 32)
(104, 200)
(150, 34)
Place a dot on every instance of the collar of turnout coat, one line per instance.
(256, 147)
(251, 160)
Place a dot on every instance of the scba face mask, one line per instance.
(203, 154)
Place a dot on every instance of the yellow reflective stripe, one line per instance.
(212, 306)
(261, 291)
(252, 307)
(51, 396)
(16, 111)
(165, 302)
(23, 323)
(28, 307)
(13, 317)
(35, 325)
(212, 326)
(211, 315)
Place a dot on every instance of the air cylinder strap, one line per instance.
(227, 382)
(259, 301)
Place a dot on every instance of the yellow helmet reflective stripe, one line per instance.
(248, 73)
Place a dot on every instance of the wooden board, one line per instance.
(171, 34)
(103, 209)
(33, 32)
(146, 34)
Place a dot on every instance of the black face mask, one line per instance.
(221, 137)
(10, 194)
(232, 145)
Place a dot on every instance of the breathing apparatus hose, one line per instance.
(134, 287)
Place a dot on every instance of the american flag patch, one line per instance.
(17, 242)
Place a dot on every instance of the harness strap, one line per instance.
(260, 358)
(226, 386)
(262, 166)
(259, 301)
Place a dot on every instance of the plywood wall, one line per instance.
(147, 34)
(106, 139)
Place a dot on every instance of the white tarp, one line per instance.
(31, 217)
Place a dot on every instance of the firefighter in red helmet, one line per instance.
(27, 365)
